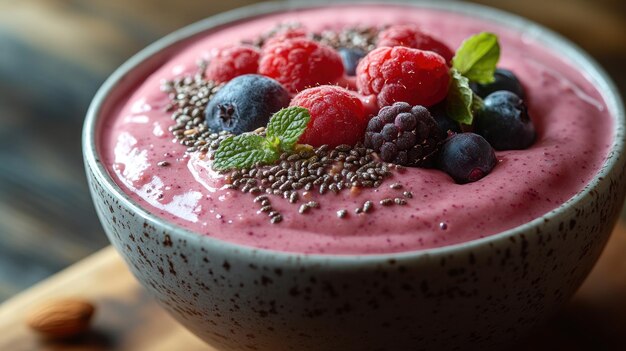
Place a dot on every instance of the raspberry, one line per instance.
(403, 74)
(337, 116)
(301, 63)
(231, 62)
(404, 135)
(285, 34)
(411, 36)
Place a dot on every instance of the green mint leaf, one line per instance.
(243, 151)
(287, 125)
(477, 57)
(460, 99)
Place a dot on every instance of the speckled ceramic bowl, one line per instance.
(479, 294)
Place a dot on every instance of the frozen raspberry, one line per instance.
(337, 116)
(233, 61)
(301, 63)
(285, 34)
(403, 74)
(411, 36)
(404, 135)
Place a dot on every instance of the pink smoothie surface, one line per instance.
(575, 131)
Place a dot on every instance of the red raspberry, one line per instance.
(300, 63)
(337, 116)
(411, 36)
(230, 62)
(285, 34)
(403, 74)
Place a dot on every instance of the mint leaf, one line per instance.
(477, 57)
(286, 126)
(243, 151)
(460, 99)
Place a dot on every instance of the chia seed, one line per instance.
(386, 202)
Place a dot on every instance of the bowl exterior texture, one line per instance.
(241, 299)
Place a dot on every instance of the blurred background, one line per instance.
(54, 54)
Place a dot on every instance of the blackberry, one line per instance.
(405, 135)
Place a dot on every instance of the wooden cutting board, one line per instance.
(127, 319)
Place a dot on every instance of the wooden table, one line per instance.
(127, 319)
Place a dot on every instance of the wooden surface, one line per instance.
(127, 319)
(55, 53)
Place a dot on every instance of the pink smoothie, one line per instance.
(574, 128)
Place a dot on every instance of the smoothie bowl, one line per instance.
(331, 238)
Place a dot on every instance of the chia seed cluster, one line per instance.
(363, 38)
(322, 170)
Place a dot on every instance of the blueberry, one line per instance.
(444, 122)
(466, 157)
(504, 122)
(504, 80)
(245, 103)
(351, 58)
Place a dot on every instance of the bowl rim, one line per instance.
(575, 55)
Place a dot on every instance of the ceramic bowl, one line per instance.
(480, 293)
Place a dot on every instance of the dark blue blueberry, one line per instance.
(504, 122)
(504, 80)
(245, 103)
(466, 157)
(351, 58)
(444, 122)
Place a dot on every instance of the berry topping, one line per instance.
(404, 135)
(504, 80)
(403, 74)
(504, 122)
(351, 58)
(245, 104)
(233, 61)
(285, 33)
(411, 36)
(337, 116)
(466, 157)
(300, 63)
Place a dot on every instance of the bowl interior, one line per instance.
(139, 67)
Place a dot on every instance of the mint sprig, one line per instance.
(245, 150)
(475, 61)
(460, 98)
(287, 125)
(477, 57)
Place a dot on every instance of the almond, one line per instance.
(61, 318)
